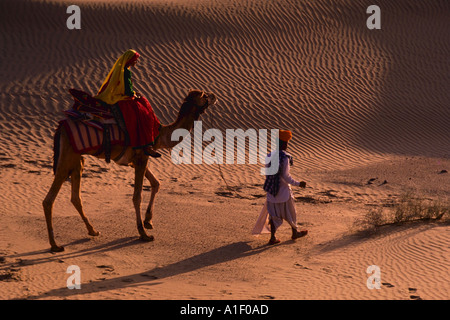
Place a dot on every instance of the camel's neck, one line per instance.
(165, 134)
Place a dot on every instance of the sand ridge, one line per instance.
(361, 104)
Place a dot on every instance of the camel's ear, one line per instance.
(191, 90)
(189, 96)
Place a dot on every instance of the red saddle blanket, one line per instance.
(85, 138)
(135, 117)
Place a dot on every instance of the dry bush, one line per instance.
(411, 208)
(408, 208)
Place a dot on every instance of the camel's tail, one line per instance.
(56, 148)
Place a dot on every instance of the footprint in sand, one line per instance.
(224, 193)
(266, 296)
(302, 266)
(327, 270)
(8, 165)
(387, 284)
(413, 296)
(108, 269)
(10, 274)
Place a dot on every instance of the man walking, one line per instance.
(280, 204)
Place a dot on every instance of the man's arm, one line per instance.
(287, 176)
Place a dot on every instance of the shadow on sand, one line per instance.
(354, 238)
(20, 258)
(219, 255)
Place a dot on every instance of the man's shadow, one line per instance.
(219, 255)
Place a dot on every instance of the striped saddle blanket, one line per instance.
(85, 138)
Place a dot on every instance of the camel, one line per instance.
(68, 163)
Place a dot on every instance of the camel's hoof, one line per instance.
(148, 225)
(57, 249)
(94, 233)
(146, 238)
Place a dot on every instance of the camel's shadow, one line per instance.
(20, 259)
(219, 255)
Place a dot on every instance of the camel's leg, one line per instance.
(48, 208)
(61, 175)
(154, 182)
(140, 167)
(76, 197)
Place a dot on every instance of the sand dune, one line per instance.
(361, 104)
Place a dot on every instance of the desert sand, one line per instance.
(362, 104)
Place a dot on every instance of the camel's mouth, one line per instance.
(211, 100)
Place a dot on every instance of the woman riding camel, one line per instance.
(140, 120)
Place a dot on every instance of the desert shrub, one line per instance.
(371, 220)
(411, 208)
(408, 208)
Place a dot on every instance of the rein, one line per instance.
(211, 119)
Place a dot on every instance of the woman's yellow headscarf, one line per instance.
(113, 88)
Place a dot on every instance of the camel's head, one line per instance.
(197, 102)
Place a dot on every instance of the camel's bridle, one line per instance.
(206, 96)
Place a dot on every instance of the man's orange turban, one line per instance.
(285, 135)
